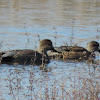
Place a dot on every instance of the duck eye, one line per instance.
(49, 44)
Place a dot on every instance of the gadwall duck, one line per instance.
(75, 52)
(29, 56)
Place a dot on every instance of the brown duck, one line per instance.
(75, 52)
(29, 56)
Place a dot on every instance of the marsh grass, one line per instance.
(72, 33)
(24, 84)
(1, 45)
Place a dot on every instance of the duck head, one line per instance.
(45, 45)
(93, 46)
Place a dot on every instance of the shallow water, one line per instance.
(24, 22)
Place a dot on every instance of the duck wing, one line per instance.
(73, 48)
(27, 57)
(19, 56)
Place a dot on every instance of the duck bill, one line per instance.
(53, 50)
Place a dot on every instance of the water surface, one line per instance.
(24, 22)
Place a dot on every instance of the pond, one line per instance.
(23, 23)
